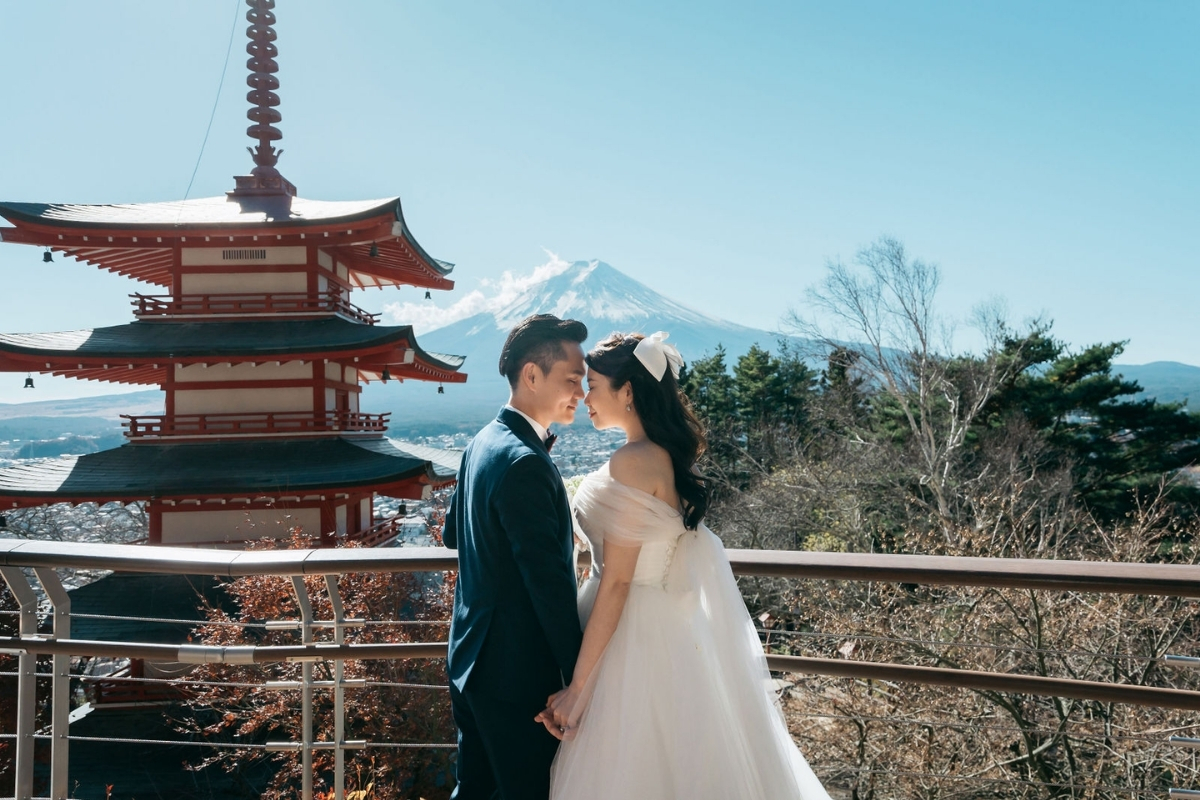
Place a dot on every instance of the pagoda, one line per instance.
(255, 343)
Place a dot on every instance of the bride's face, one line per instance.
(606, 405)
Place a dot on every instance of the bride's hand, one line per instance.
(546, 717)
(560, 716)
(567, 709)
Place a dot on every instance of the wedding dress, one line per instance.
(681, 704)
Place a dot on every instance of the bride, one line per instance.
(671, 696)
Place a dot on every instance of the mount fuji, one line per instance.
(602, 297)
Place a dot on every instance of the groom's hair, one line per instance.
(538, 338)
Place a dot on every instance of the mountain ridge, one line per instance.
(600, 295)
(594, 292)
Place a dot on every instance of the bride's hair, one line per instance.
(665, 414)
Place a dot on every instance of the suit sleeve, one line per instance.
(527, 505)
(450, 527)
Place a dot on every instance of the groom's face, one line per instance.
(558, 395)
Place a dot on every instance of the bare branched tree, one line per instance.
(110, 523)
(884, 311)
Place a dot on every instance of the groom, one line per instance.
(515, 632)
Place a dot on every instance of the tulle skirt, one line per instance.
(682, 706)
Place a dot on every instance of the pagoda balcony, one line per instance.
(220, 306)
(381, 534)
(271, 424)
(857, 700)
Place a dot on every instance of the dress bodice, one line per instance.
(608, 510)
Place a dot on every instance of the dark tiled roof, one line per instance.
(445, 462)
(177, 597)
(152, 772)
(235, 468)
(268, 338)
(204, 212)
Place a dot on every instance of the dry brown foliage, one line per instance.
(873, 740)
(417, 712)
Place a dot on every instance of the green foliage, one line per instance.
(707, 384)
(753, 415)
(1118, 448)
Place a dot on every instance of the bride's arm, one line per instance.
(642, 468)
(564, 708)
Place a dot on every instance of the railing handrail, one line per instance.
(866, 670)
(139, 426)
(250, 416)
(329, 301)
(383, 531)
(1170, 580)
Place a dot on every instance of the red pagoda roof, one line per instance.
(139, 239)
(227, 469)
(140, 352)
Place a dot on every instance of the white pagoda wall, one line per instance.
(236, 525)
(244, 283)
(271, 371)
(243, 401)
(325, 260)
(229, 399)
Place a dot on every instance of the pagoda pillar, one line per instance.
(154, 512)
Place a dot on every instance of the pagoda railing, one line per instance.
(379, 534)
(44, 623)
(237, 305)
(290, 423)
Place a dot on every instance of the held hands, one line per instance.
(562, 713)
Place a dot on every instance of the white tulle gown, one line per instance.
(682, 706)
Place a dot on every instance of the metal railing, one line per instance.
(289, 423)
(44, 558)
(237, 305)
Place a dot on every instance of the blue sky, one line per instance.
(719, 152)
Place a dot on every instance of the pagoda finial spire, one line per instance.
(262, 82)
(264, 179)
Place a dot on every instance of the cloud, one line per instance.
(493, 296)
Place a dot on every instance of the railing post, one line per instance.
(339, 690)
(1184, 741)
(18, 584)
(60, 690)
(306, 690)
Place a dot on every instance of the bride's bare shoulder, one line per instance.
(643, 465)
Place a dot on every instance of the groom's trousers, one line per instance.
(502, 753)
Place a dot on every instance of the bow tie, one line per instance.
(550, 440)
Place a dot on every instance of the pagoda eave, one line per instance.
(230, 474)
(142, 241)
(140, 352)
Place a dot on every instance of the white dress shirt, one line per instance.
(537, 428)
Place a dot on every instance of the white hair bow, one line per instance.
(656, 355)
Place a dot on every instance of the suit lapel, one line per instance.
(521, 427)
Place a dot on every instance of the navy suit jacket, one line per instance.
(515, 627)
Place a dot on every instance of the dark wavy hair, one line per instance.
(665, 414)
(538, 338)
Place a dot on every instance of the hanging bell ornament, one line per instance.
(28, 381)
(441, 389)
(386, 375)
(428, 295)
(374, 250)
(47, 258)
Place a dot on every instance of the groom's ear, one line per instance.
(531, 374)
